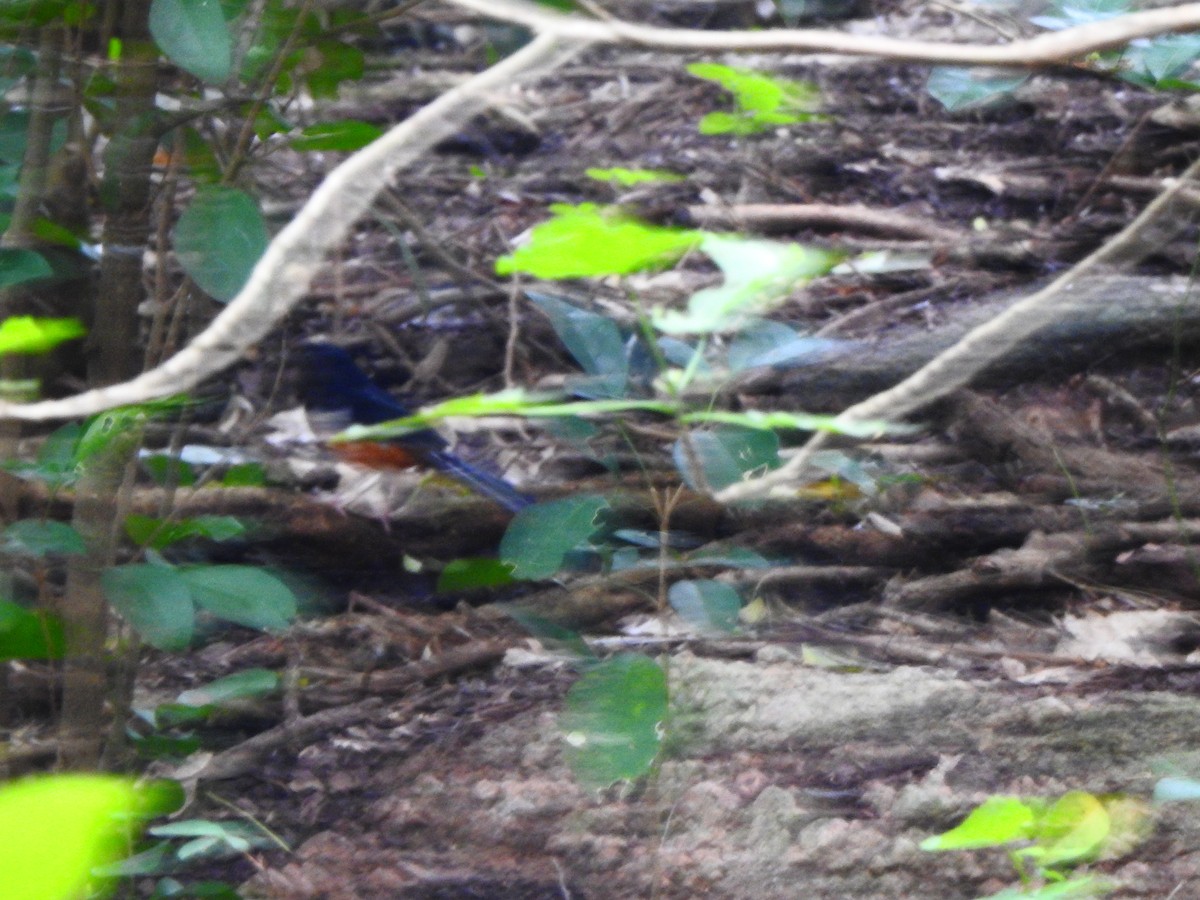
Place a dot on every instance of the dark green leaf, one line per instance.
(765, 343)
(163, 746)
(345, 136)
(194, 36)
(706, 605)
(242, 594)
(245, 475)
(25, 634)
(614, 719)
(166, 469)
(594, 340)
(551, 634)
(540, 536)
(219, 239)
(477, 572)
(328, 63)
(18, 266)
(147, 531)
(155, 600)
(238, 686)
(970, 88)
(35, 537)
(725, 456)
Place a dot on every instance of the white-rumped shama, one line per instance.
(330, 381)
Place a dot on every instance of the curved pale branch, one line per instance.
(1051, 47)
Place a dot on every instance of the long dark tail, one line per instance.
(491, 486)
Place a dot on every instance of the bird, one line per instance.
(330, 381)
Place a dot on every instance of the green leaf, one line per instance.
(55, 830)
(219, 238)
(735, 557)
(631, 177)
(763, 101)
(27, 334)
(18, 266)
(167, 469)
(971, 88)
(245, 475)
(35, 537)
(614, 719)
(155, 600)
(552, 635)
(762, 342)
(109, 432)
(594, 340)
(1163, 58)
(327, 64)
(238, 686)
(25, 634)
(157, 860)
(725, 456)
(539, 537)
(473, 573)
(242, 594)
(146, 531)
(788, 421)
(56, 463)
(194, 36)
(1073, 830)
(995, 822)
(706, 605)
(586, 240)
(346, 136)
(504, 403)
(1075, 889)
(1069, 13)
(759, 275)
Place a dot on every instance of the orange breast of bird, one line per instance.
(375, 455)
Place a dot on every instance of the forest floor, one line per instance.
(1009, 611)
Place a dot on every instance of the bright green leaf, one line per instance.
(27, 334)
(786, 421)
(613, 722)
(1072, 830)
(242, 594)
(631, 177)
(995, 822)
(55, 830)
(759, 275)
(587, 240)
(194, 36)
(539, 537)
(155, 600)
(219, 238)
